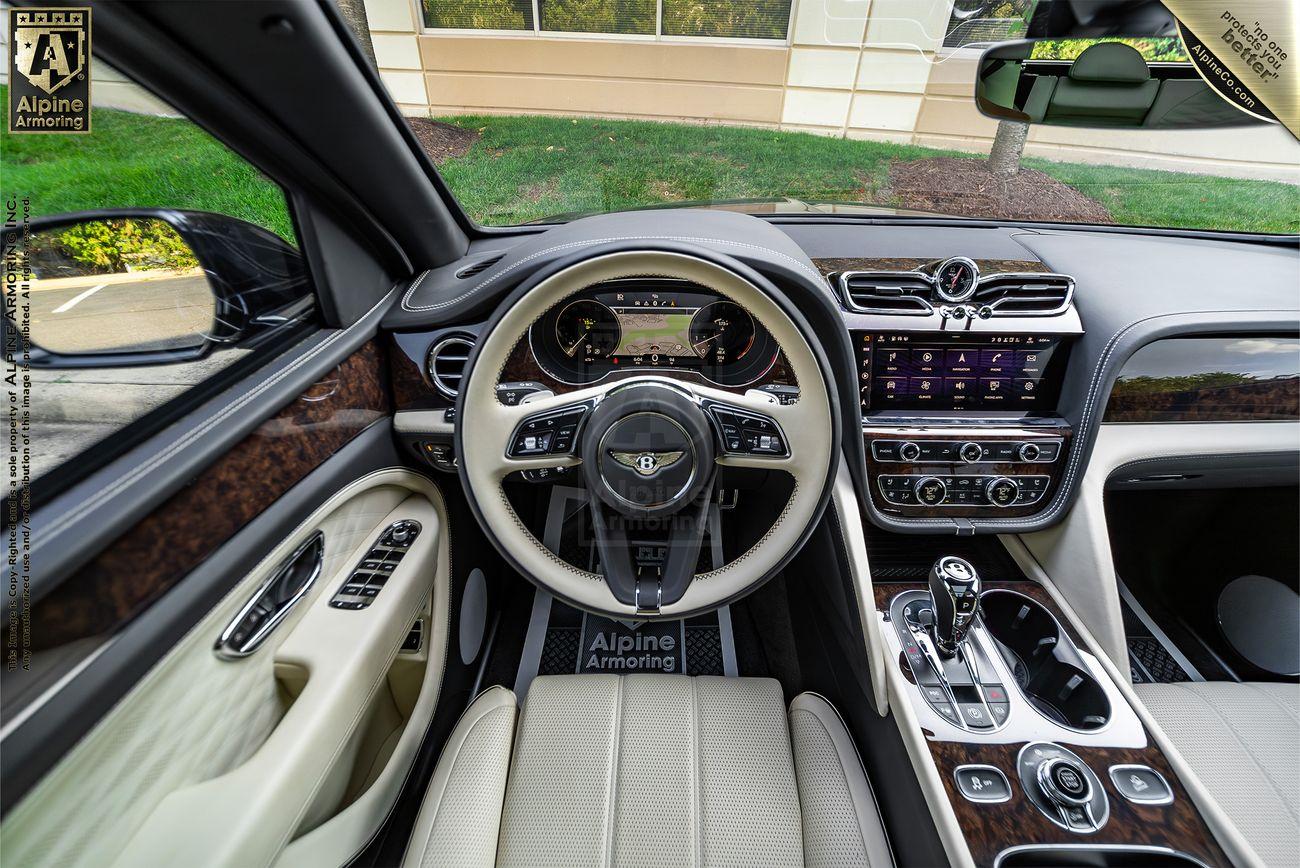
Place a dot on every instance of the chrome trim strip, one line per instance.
(1109, 848)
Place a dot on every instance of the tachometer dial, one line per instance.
(722, 333)
(956, 279)
(587, 329)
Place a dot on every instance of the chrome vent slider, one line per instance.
(446, 363)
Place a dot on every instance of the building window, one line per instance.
(717, 19)
(597, 16)
(983, 22)
(754, 19)
(478, 14)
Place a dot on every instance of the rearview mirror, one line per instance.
(140, 287)
(1132, 83)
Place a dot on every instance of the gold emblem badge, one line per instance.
(49, 70)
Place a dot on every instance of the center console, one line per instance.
(963, 424)
(960, 365)
(1041, 758)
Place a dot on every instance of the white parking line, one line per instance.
(70, 303)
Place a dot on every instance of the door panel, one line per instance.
(212, 761)
(163, 548)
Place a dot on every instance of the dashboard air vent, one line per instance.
(1024, 294)
(479, 267)
(896, 292)
(446, 363)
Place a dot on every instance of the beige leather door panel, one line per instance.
(209, 761)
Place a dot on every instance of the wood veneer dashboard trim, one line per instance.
(991, 828)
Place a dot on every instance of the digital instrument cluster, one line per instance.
(640, 324)
(941, 371)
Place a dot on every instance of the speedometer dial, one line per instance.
(722, 333)
(587, 329)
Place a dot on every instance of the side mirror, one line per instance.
(144, 287)
(1097, 83)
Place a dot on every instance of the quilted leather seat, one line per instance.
(649, 770)
(1240, 740)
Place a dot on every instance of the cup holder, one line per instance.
(1045, 663)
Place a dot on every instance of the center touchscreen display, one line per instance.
(940, 371)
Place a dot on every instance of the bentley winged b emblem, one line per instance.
(647, 463)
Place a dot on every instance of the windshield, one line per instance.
(537, 110)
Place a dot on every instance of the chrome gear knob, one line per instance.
(955, 595)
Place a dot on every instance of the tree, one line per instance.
(1008, 147)
(354, 13)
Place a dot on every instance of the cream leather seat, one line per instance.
(649, 770)
(1240, 741)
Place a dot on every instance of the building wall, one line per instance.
(869, 69)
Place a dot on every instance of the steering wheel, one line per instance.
(648, 447)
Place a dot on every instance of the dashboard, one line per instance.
(980, 374)
(651, 324)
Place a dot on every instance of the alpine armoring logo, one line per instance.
(49, 70)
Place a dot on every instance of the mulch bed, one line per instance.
(441, 141)
(966, 188)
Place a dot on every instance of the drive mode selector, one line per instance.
(1063, 787)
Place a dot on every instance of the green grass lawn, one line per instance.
(138, 161)
(525, 168)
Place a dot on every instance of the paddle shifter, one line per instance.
(955, 595)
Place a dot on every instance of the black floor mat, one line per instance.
(703, 653)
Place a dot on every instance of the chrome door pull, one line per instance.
(273, 600)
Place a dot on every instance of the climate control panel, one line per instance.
(965, 470)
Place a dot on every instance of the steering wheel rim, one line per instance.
(485, 426)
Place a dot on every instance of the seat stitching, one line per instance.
(611, 801)
(1244, 747)
(697, 821)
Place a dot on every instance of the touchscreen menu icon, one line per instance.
(994, 372)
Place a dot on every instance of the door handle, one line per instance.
(271, 603)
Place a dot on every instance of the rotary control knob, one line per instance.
(1030, 451)
(1064, 782)
(1001, 491)
(401, 533)
(970, 452)
(909, 451)
(930, 491)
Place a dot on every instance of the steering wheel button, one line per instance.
(532, 444)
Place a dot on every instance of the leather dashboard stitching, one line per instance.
(414, 308)
(131, 477)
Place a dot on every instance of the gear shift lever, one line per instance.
(955, 595)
